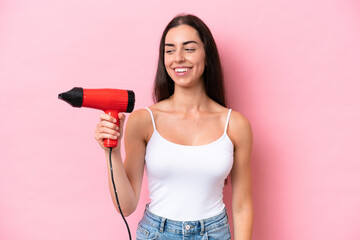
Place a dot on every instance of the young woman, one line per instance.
(189, 142)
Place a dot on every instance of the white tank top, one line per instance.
(186, 182)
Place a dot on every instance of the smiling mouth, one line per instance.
(181, 70)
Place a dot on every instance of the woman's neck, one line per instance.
(189, 99)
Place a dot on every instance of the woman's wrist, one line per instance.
(115, 150)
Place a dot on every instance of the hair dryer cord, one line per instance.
(116, 196)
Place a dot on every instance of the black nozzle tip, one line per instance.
(74, 97)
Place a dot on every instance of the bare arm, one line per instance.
(128, 175)
(242, 208)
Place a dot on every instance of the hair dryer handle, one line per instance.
(112, 142)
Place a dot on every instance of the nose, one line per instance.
(179, 56)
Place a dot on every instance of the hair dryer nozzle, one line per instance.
(74, 97)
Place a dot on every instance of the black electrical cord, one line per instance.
(116, 196)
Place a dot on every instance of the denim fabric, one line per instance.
(153, 227)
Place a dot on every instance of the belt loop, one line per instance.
(162, 224)
(202, 227)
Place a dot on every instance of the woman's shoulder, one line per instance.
(139, 125)
(238, 118)
(139, 121)
(142, 116)
(239, 127)
(159, 108)
(162, 105)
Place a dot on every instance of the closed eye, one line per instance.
(169, 51)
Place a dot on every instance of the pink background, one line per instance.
(292, 68)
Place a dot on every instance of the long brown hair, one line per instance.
(213, 75)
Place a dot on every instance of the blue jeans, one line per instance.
(153, 227)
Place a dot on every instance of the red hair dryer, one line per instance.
(111, 101)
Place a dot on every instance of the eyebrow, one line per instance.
(184, 43)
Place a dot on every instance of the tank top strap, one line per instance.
(152, 117)
(227, 121)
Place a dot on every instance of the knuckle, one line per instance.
(105, 125)
(103, 116)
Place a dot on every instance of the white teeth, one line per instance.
(181, 70)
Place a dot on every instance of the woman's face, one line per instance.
(184, 56)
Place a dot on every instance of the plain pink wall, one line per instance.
(291, 67)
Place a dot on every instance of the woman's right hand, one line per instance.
(107, 129)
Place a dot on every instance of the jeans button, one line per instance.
(187, 227)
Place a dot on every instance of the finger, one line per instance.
(107, 130)
(107, 117)
(102, 136)
(106, 124)
(122, 116)
(122, 122)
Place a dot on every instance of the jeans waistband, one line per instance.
(202, 225)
